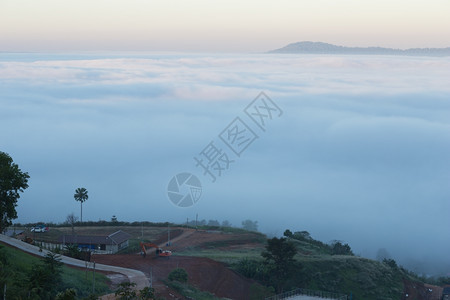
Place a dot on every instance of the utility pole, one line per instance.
(151, 277)
(142, 230)
(196, 220)
(168, 235)
(93, 280)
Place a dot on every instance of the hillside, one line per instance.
(325, 48)
(226, 262)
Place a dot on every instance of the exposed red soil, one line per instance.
(205, 274)
(421, 291)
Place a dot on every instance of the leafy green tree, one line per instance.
(250, 225)
(81, 195)
(179, 275)
(287, 233)
(146, 293)
(44, 279)
(302, 235)
(12, 182)
(337, 248)
(391, 263)
(279, 256)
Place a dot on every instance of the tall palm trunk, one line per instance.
(81, 212)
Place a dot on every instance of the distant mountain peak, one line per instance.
(308, 47)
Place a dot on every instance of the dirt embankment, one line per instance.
(420, 291)
(205, 274)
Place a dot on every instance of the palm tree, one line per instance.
(81, 194)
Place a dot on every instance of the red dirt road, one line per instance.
(204, 273)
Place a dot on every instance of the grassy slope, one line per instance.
(20, 263)
(230, 250)
(363, 278)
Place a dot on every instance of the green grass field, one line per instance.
(226, 256)
(136, 232)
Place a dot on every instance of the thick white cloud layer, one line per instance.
(360, 153)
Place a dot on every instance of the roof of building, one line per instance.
(13, 232)
(115, 238)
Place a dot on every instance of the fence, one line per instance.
(311, 293)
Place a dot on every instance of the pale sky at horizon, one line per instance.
(219, 26)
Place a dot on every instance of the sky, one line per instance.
(219, 26)
(120, 96)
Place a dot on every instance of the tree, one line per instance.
(279, 255)
(71, 219)
(226, 223)
(250, 225)
(391, 263)
(81, 195)
(12, 182)
(287, 233)
(302, 236)
(382, 254)
(213, 223)
(337, 248)
(44, 279)
(147, 293)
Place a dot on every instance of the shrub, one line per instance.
(179, 275)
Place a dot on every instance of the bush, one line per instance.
(179, 275)
(68, 294)
(125, 291)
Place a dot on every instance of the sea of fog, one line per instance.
(353, 148)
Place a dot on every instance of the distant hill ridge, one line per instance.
(325, 48)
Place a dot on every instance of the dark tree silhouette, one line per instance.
(279, 256)
(12, 182)
(81, 195)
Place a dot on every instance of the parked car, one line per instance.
(40, 228)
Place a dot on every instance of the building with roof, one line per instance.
(13, 232)
(98, 243)
(446, 293)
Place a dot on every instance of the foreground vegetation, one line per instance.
(29, 277)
